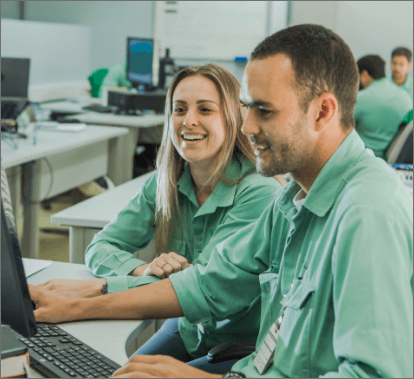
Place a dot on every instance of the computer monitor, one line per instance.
(16, 305)
(142, 62)
(14, 77)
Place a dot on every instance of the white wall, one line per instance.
(368, 27)
(375, 27)
(111, 23)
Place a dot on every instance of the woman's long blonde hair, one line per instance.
(170, 164)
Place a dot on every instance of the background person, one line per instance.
(401, 64)
(380, 107)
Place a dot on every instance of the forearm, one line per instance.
(157, 300)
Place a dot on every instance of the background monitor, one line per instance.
(16, 305)
(142, 62)
(15, 77)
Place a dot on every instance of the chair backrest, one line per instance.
(96, 79)
(400, 149)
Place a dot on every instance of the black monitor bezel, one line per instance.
(154, 75)
(24, 323)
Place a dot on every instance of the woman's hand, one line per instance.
(165, 265)
(52, 307)
(74, 288)
(159, 366)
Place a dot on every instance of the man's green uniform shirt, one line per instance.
(379, 111)
(342, 266)
(229, 208)
(407, 85)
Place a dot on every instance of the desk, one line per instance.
(133, 123)
(87, 218)
(109, 337)
(72, 159)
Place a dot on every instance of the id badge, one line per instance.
(267, 351)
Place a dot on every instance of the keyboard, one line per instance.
(100, 108)
(57, 354)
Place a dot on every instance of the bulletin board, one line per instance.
(219, 30)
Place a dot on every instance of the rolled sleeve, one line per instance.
(190, 295)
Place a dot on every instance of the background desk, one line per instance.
(144, 129)
(72, 159)
(87, 218)
(137, 133)
(109, 337)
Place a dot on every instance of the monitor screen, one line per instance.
(16, 305)
(15, 77)
(141, 61)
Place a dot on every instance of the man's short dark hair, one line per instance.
(402, 51)
(373, 64)
(322, 62)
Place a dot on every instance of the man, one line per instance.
(400, 65)
(331, 256)
(380, 107)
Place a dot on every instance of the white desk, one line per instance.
(136, 126)
(72, 159)
(88, 217)
(110, 338)
(145, 128)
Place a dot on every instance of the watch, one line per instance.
(104, 289)
(234, 374)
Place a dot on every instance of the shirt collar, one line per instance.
(224, 193)
(324, 190)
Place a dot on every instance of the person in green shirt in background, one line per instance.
(401, 64)
(205, 189)
(380, 105)
(332, 256)
(117, 76)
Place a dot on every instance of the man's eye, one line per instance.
(264, 112)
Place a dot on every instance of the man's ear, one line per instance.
(327, 108)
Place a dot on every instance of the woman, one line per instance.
(205, 189)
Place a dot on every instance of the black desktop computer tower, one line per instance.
(128, 102)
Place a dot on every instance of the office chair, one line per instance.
(400, 149)
(96, 79)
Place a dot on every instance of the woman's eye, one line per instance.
(205, 110)
(178, 110)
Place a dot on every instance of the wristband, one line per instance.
(104, 289)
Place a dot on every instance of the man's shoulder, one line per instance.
(372, 184)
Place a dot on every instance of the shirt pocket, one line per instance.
(295, 330)
(268, 284)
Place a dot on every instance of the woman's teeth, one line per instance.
(193, 138)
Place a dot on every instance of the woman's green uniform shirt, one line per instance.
(228, 209)
(344, 262)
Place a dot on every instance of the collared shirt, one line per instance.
(342, 266)
(407, 85)
(117, 76)
(229, 208)
(379, 111)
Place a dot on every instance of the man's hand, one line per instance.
(166, 264)
(74, 288)
(51, 307)
(159, 366)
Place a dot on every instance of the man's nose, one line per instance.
(250, 125)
